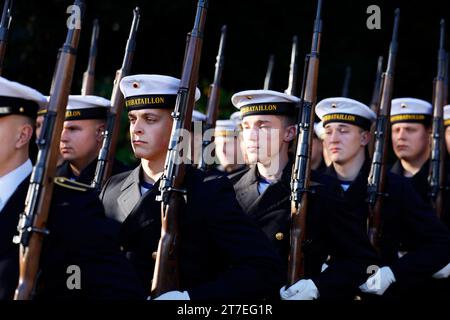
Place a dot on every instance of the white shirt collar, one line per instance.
(10, 181)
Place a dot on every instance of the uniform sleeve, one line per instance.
(255, 270)
(426, 234)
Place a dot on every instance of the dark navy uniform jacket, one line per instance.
(223, 255)
(9, 252)
(332, 236)
(408, 225)
(87, 175)
(81, 236)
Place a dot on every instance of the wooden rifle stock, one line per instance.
(33, 222)
(105, 159)
(376, 187)
(436, 177)
(87, 87)
(301, 171)
(166, 272)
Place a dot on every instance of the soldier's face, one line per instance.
(265, 137)
(410, 141)
(15, 133)
(447, 139)
(81, 140)
(344, 142)
(150, 131)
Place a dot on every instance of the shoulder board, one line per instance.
(71, 184)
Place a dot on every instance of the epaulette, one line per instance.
(71, 184)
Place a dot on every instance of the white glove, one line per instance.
(443, 273)
(174, 295)
(301, 290)
(378, 282)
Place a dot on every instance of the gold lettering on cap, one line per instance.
(144, 101)
(71, 113)
(259, 108)
(343, 117)
(407, 117)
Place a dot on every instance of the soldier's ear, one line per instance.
(25, 132)
(365, 138)
(99, 132)
(290, 133)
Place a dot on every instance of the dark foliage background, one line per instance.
(256, 29)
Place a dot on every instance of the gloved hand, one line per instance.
(304, 289)
(378, 282)
(443, 273)
(174, 295)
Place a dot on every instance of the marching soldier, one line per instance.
(19, 106)
(264, 194)
(222, 255)
(411, 130)
(409, 224)
(228, 149)
(82, 137)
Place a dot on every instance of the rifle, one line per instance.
(375, 102)
(4, 30)
(166, 273)
(301, 171)
(346, 85)
(105, 159)
(436, 175)
(214, 98)
(376, 186)
(293, 69)
(33, 221)
(87, 87)
(268, 79)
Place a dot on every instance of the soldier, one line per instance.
(411, 130)
(228, 148)
(19, 106)
(408, 222)
(264, 194)
(82, 137)
(222, 255)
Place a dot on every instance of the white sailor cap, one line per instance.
(411, 110)
(86, 107)
(319, 130)
(198, 116)
(226, 128)
(236, 117)
(265, 102)
(447, 115)
(345, 110)
(15, 98)
(151, 91)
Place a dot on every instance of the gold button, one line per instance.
(279, 236)
(22, 110)
(154, 255)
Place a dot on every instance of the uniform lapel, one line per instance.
(130, 194)
(247, 189)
